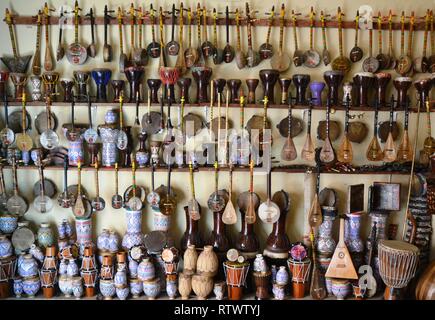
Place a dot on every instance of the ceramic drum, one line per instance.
(235, 274)
(300, 271)
(75, 152)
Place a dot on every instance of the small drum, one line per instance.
(397, 265)
(235, 274)
(171, 268)
(48, 278)
(89, 279)
(7, 268)
(300, 272)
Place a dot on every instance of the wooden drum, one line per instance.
(397, 265)
(235, 274)
(300, 271)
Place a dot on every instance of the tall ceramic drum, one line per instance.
(45, 236)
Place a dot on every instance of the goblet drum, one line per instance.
(268, 78)
(402, 85)
(169, 77)
(363, 81)
(234, 87)
(101, 78)
(202, 77)
(218, 88)
(81, 78)
(235, 274)
(423, 87)
(118, 87)
(285, 85)
(316, 88)
(301, 82)
(333, 79)
(4, 76)
(252, 85)
(382, 79)
(154, 86)
(19, 80)
(397, 265)
(67, 86)
(184, 85)
(50, 80)
(134, 75)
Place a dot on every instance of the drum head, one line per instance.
(384, 130)
(357, 131)
(334, 130)
(15, 121)
(328, 197)
(41, 122)
(49, 188)
(151, 122)
(218, 204)
(215, 126)
(155, 241)
(256, 122)
(244, 198)
(282, 199)
(197, 124)
(23, 238)
(297, 127)
(400, 246)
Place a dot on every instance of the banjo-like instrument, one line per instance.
(269, 211)
(76, 52)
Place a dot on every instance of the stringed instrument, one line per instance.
(345, 153)
(252, 56)
(216, 202)
(429, 141)
(404, 63)
(193, 205)
(42, 202)
(298, 55)
(281, 60)
(48, 58)
(240, 55)
(134, 203)
(229, 216)
(98, 202)
(123, 60)
(312, 57)
(207, 47)
(374, 151)
(181, 62)
(405, 151)
(370, 283)
(167, 205)
(341, 265)
(36, 64)
(327, 153)
(217, 52)
(266, 50)
(117, 201)
(153, 49)
(341, 63)
(289, 152)
(269, 212)
(250, 210)
(308, 152)
(390, 152)
(78, 208)
(76, 52)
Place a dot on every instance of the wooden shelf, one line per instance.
(261, 22)
(201, 105)
(287, 169)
